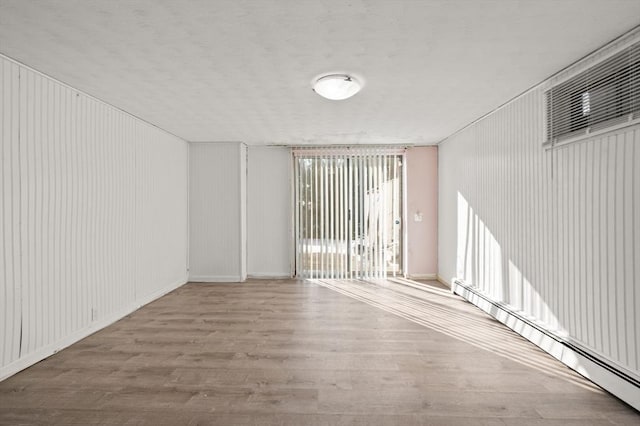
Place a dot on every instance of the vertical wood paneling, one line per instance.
(635, 247)
(94, 214)
(627, 285)
(561, 225)
(9, 213)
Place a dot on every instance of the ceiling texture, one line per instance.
(218, 70)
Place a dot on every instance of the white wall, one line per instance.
(93, 220)
(269, 212)
(217, 212)
(555, 234)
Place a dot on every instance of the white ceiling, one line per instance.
(242, 70)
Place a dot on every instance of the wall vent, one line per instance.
(604, 96)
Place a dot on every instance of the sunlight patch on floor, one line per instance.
(449, 314)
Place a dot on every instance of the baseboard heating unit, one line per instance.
(612, 378)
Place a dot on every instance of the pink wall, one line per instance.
(422, 197)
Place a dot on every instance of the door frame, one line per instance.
(388, 150)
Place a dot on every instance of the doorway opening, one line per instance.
(348, 213)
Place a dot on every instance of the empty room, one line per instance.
(356, 212)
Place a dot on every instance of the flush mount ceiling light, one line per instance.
(336, 86)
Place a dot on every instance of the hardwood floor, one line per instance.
(302, 353)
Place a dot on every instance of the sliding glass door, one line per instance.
(348, 213)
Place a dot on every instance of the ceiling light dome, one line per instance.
(337, 86)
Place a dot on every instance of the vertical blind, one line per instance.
(348, 212)
(604, 95)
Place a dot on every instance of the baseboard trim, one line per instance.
(269, 276)
(617, 381)
(422, 276)
(216, 278)
(441, 280)
(46, 351)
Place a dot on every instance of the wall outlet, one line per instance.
(417, 217)
(94, 314)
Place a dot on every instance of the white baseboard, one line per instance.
(270, 275)
(46, 351)
(421, 276)
(216, 278)
(621, 383)
(441, 280)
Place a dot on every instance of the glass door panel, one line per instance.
(348, 215)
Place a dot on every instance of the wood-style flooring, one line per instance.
(289, 352)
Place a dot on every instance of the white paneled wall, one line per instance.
(217, 212)
(555, 234)
(269, 211)
(10, 291)
(93, 220)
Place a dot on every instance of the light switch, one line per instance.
(417, 217)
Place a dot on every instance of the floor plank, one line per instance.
(287, 352)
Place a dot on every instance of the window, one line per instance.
(348, 214)
(602, 96)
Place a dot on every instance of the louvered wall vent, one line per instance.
(605, 95)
